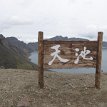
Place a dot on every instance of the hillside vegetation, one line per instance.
(14, 54)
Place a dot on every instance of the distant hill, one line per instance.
(57, 38)
(14, 53)
(34, 46)
(104, 44)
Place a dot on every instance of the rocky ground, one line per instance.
(19, 88)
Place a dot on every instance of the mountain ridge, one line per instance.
(15, 53)
(61, 38)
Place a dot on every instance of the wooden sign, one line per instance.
(69, 54)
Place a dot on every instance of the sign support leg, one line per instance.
(40, 60)
(98, 60)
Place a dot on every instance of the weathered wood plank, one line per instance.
(67, 51)
(66, 42)
(40, 60)
(99, 60)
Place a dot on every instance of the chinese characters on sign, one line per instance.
(82, 54)
(55, 55)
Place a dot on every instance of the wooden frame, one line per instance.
(68, 51)
(40, 60)
(99, 60)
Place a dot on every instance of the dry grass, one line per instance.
(19, 88)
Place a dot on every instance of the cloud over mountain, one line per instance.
(54, 17)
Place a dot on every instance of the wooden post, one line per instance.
(99, 60)
(40, 60)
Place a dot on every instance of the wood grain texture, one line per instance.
(99, 60)
(40, 60)
(67, 51)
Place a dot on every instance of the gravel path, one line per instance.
(19, 88)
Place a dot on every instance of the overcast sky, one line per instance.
(73, 18)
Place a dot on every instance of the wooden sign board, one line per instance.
(77, 54)
(69, 54)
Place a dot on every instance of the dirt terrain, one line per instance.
(19, 88)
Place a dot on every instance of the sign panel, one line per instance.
(69, 54)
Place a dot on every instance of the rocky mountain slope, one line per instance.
(14, 53)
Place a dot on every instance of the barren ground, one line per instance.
(19, 88)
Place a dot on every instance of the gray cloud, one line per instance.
(54, 17)
(15, 20)
(90, 36)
